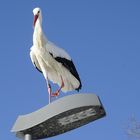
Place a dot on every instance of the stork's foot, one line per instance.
(55, 94)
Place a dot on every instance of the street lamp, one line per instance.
(60, 116)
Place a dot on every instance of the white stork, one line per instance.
(53, 62)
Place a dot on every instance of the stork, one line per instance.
(53, 62)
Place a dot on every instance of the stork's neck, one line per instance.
(39, 38)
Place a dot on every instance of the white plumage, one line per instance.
(54, 62)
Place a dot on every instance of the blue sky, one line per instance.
(102, 37)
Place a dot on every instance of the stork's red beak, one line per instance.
(35, 19)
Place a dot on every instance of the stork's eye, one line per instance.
(38, 12)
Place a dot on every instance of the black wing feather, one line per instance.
(70, 66)
(37, 68)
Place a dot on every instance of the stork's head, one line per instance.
(37, 15)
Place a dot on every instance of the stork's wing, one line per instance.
(62, 57)
(35, 61)
(68, 64)
(56, 51)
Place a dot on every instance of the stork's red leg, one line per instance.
(58, 91)
(49, 89)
